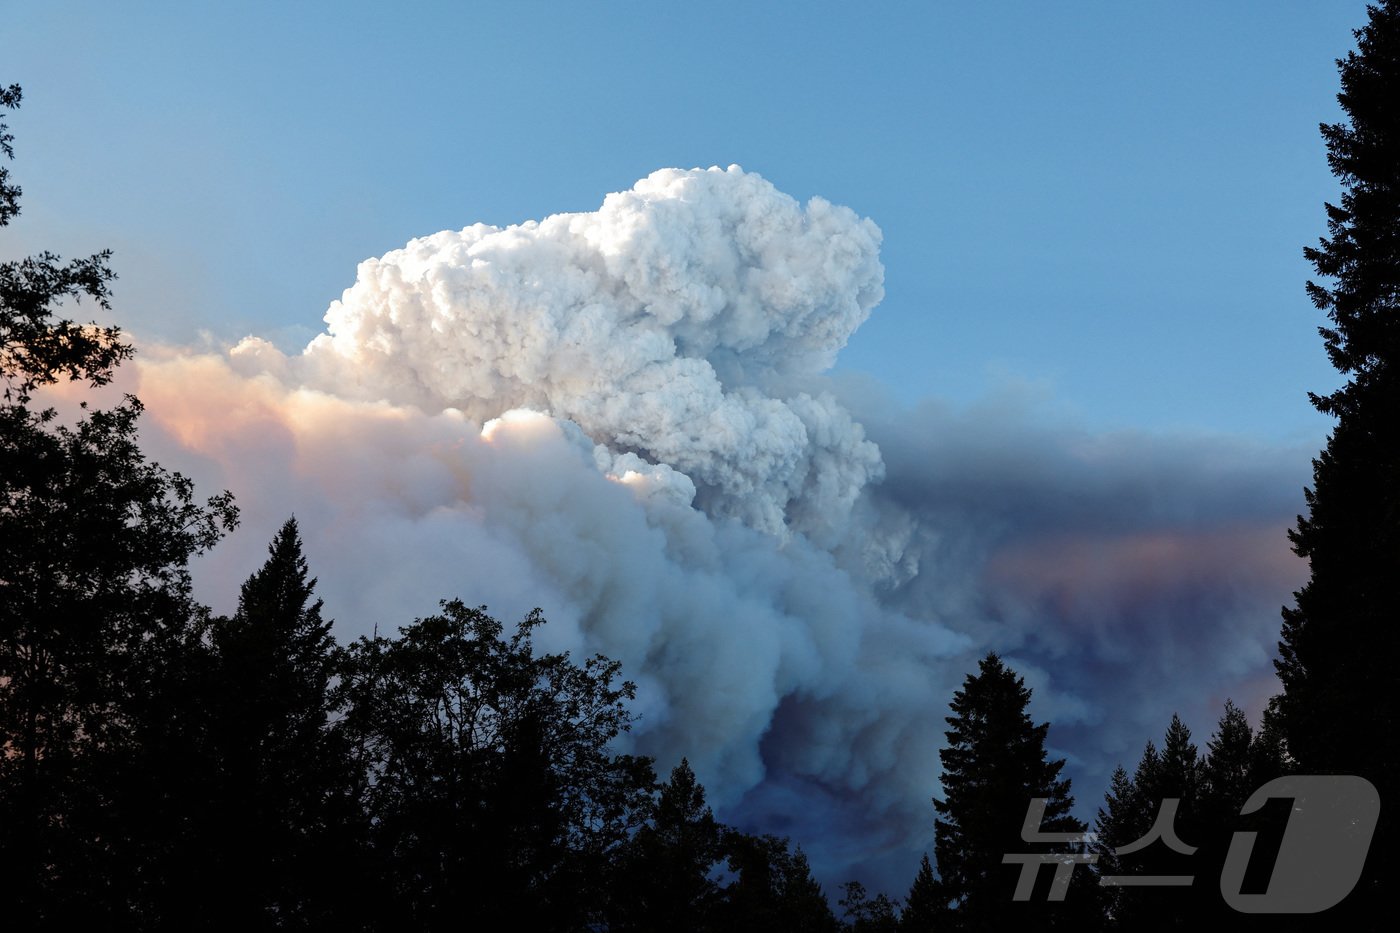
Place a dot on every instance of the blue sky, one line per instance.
(1101, 203)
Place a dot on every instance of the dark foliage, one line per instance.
(865, 914)
(771, 888)
(1209, 792)
(993, 766)
(666, 876)
(9, 194)
(922, 907)
(96, 617)
(1339, 640)
(487, 779)
(278, 832)
(1133, 808)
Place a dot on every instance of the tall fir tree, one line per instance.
(666, 872)
(1340, 712)
(1209, 792)
(1124, 817)
(281, 817)
(994, 764)
(1135, 810)
(1228, 775)
(921, 907)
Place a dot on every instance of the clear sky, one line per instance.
(1106, 201)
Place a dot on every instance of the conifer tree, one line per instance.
(1197, 801)
(994, 764)
(279, 817)
(1340, 711)
(1228, 775)
(1118, 821)
(1130, 809)
(666, 876)
(921, 908)
(1339, 639)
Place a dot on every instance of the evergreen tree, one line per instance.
(1180, 775)
(1131, 809)
(666, 874)
(1340, 713)
(1229, 773)
(921, 908)
(1207, 795)
(1120, 820)
(1268, 753)
(279, 828)
(994, 764)
(1179, 771)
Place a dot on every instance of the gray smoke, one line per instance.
(623, 417)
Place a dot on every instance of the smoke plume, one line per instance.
(625, 418)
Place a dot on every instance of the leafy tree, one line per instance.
(684, 870)
(865, 914)
(96, 615)
(1340, 712)
(9, 194)
(994, 764)
(491, 789)
(37, 349)
(772, 889)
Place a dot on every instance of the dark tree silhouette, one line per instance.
(1208, 792)
(96, 616)
(772, 889)
(1124, 817)
(9, 194)
(278, 828)
(922, 907)
(492, 792)
(37, 348)
(666, 878)
(1133, 807)
(1228, 775)
(994, 764)
(1340, 712)
(862, 913)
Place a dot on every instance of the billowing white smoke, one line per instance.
(618, 416)
(666, 325)
(603, 414)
